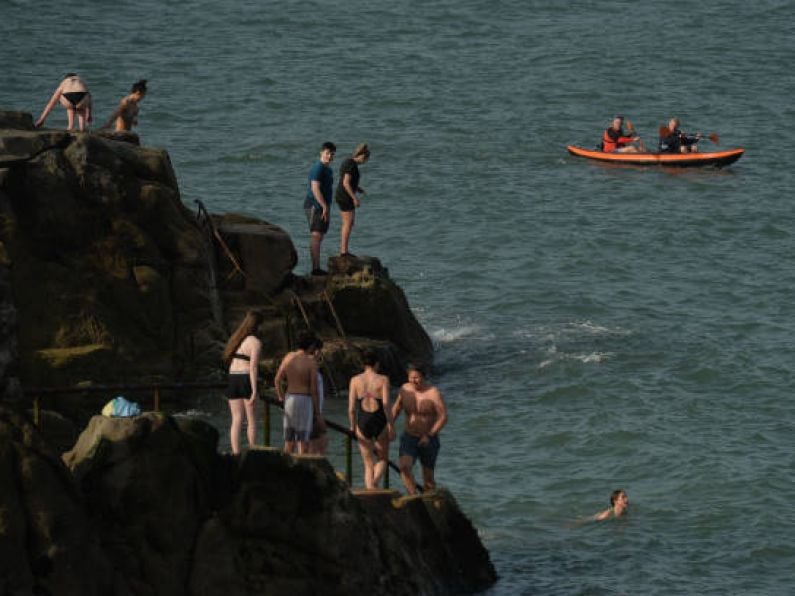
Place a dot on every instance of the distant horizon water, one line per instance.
(595, 327)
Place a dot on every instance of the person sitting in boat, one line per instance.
(673, 140)
(615, 141)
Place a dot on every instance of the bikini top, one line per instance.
(239, 356)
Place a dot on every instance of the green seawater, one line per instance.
(596, 327)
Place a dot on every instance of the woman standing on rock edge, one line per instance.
(75, 97)
(369, 394)
(241, 355)
(345, 196)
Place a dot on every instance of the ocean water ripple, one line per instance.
(594, 326)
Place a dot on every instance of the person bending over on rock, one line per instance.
(299, 368)
(241, 355)
(317, 203)
(673, 140)
(346, 197)
(369, 394)
(73, 95)
(619, 505)
(126, 115)
(318, 438)
(615, 141)
(426, 415)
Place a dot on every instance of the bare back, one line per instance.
(250, 346)
(300, 370)
(73, 84)
(370, 386)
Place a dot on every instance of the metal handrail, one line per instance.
(37, 393)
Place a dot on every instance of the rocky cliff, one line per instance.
(147, 506)
(105, 276)
(115, 280)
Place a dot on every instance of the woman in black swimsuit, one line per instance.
(241, 355)
(75, 97)
(371, 418)
(346, 196)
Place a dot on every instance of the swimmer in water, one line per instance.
(619, 506)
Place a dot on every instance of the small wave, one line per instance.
(593, 357)
(446, 336)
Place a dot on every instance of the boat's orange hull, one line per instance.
(680, 160)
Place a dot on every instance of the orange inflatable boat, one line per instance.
(678, 160)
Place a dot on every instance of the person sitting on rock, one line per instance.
(426, 415)
(73, 95)
(241, 355)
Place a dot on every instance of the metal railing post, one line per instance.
(266, 422)
(349, 460)
(386, 474)
(37, 412)
(157, 399)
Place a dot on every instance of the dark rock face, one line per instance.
(176, 518)
(47, 545)
(369, 304)
(109, 269)
(147, 483)
(9, 383)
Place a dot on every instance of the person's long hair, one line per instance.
(248, 326)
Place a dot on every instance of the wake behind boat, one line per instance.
(681, 160)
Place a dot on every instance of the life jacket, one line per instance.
(610, 144)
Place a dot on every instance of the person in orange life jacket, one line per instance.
(615, 141)
(676, 141)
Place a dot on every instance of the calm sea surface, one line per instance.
(596, 327)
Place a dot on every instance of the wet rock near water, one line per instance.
(47, 543)
(151, 508)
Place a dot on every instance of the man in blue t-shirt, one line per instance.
(318, 202)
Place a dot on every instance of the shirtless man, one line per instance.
(126, 115)
(301, 400)
(73, 95)
(426, 415)
(619, 504)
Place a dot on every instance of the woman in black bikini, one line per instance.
(241, 355)
(75, 97)
(368, 397)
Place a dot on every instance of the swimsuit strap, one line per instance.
(239, 356)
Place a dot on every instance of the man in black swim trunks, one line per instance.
(426, 415)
